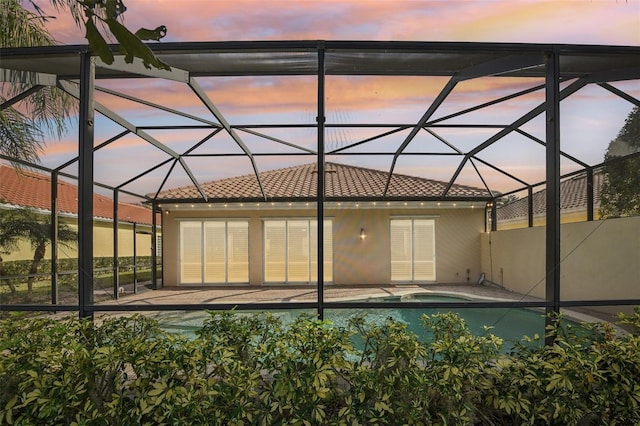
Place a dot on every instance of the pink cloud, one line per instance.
(506, 21)
(245, 96)
(552, 22)
(402, 98)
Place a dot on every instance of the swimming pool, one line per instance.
(511, 324)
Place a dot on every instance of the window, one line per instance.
(214, 252)
(190, 252)
(290, 250)
(413, 254)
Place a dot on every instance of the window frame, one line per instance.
(203, 251)
(311, 249)
(413, 219)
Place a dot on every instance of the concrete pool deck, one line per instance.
(332, 293)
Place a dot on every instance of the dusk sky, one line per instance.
(573, 21)
(399, 100)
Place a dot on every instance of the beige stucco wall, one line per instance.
(355, 261)
(600, 259)
(102, 243)
(103, 240)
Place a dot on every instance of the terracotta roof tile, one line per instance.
(30, 189)
(573, 195)
(341, 181)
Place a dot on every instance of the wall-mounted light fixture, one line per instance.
(362, 234)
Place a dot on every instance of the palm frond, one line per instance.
(46, 112)
(21, 27)
(20, 137)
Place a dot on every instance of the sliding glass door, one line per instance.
(290, 251)
(214, 252)
(413, 254)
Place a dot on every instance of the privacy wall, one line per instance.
(599, 259)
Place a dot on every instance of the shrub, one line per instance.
(67, 269)
(67, 280)
(246, 369)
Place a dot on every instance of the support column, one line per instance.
(552, 90)
(54, 237)
(135, 259)
(530, 206)
(116, 254)
(85, 185)
(494, 215)
(320, 189)
(154, 249)
(590, 194)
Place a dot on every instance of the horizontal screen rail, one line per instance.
(314, 305)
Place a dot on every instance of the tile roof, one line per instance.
(573, 196)
(341, 182)
(30, 189)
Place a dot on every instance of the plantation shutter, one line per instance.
(327, 248)
(424, 253)
(298, 251)
(401, 252)
(313, 251)
(275, 254)
(190, 252)
(215, 252)
(291, 250)
(238, 252)
(413, 250)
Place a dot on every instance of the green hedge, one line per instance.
(102, 266)
(253, 370)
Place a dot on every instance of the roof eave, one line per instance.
(486, 198)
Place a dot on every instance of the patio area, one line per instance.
(332, 293)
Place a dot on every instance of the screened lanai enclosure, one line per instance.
(433, 168)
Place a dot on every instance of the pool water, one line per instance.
(511, 324)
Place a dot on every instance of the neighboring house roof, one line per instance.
(341, 182)
(24, 188)
(573, 196)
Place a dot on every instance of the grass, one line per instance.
(67, 292)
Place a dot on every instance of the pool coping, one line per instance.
(334, 293)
